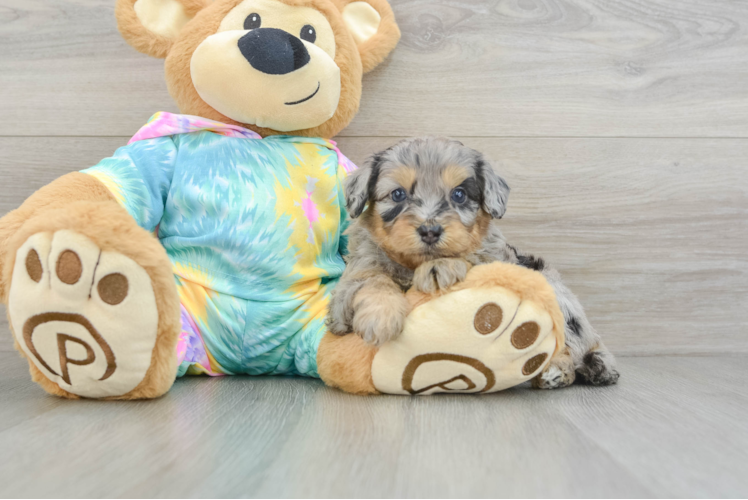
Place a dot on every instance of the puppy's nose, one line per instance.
(430, 234)
(273, 51)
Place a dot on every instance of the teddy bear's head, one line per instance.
(274, 66)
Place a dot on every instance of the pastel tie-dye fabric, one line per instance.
(253, 228)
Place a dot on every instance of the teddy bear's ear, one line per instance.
(373, 26)
(151, 26)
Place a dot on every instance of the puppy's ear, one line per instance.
(151, 26)
(360, 186)
(373, 26)
(494, 189)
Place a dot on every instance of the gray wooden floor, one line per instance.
(673, 427)
(622, 128)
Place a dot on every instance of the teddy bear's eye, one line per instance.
(308, 33)
(252, 21)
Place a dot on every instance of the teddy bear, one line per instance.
(211, 242)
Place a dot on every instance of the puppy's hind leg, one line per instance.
(598, 367)
(559, 372)
(592, 361)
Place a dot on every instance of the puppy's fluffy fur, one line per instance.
(423, 212)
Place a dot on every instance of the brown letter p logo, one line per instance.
(62, 342)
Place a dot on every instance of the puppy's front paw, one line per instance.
(439, 274)
(379, 317)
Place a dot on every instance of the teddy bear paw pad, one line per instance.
(86, 318)
(470, 341)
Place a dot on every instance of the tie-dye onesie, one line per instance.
(254, 231)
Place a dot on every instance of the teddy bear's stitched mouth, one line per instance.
(306, 98)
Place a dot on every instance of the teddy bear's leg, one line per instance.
(500, 327)
(92, 303)
(345, 362)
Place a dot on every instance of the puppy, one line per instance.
(423, 213)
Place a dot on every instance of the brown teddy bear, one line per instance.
(210, 244)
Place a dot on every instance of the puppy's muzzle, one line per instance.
(430, 234)
(273, 51)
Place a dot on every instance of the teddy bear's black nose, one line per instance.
(273, 51)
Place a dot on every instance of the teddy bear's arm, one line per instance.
(139, 177)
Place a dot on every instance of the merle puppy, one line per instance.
(424, 211)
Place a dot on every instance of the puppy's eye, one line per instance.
(398, 195)
(252, 21)
(308, 33)
(459, 196)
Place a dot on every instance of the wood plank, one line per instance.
(651, 234)
(22, 399)
(675, 400)
(67, 71)
(669, 429)
(6, 338)
(26, 164)
(492, 68)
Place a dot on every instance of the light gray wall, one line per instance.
(622, 128)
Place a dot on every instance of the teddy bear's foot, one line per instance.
(86, 319)
(475, 340)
